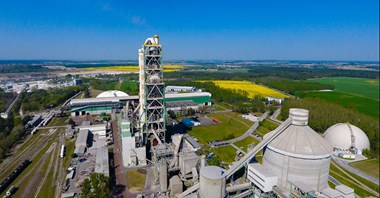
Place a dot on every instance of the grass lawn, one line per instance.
(363, 87)
(361, 104)
(225, 153)
(270, 125)
(262, 131)
(243, 144)
(226, 126)
(343, 178)
(370, 166)
(135, 180)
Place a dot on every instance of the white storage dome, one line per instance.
(111, 93)
(339, 136)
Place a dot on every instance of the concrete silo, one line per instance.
(299, 154)
(212, 183)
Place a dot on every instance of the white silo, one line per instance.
(212, 183)
(299, 154)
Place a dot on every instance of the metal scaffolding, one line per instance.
(152, 90)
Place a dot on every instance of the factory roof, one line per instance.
(101, 161)
(182, 95)
(329, 192)
(265, 172)
(82, 138)
(344, 189)
(112, 93)
(301, 141)
(212, 172)
(339, 136)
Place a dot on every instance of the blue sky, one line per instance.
(251, 30)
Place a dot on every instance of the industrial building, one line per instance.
(296, 163)
(116, 100)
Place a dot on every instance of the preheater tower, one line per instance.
(152, 94)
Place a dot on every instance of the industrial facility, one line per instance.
(295, 163)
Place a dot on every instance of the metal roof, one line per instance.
(185, 103)
(302, 142)
(112, 93)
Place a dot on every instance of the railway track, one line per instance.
(28, 153)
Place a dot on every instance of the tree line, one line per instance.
(323, 114)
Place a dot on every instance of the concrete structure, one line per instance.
(101, 161)
(187, 161)
(212, 184)
(152, 90)
(344, 136)
(261, 177)
(112, 93)
(299, 154)
(278, 100)
(175, 186)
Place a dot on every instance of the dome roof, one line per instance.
(301, 141)
(111, 93)
(339, 136)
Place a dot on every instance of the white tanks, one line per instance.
(212, 184)
(299, 154)
(345, 135)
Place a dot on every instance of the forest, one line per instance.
(6, 99)
(22, 68)
(323, 114)
(45, 99)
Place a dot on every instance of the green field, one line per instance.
(225, 153)
(243, 144)
(371, 167)
(368, 88)
(228, 127)
(363, 105)
(357, 93)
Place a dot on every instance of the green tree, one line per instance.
(171, 114)
(86, 188)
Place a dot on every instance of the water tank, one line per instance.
(212, 183)
(299, 154)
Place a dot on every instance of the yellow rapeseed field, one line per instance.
(131, 68)
(251, 88)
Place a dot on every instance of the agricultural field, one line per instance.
(361, 104)
(252, 89)
(131, 68)
(228, 127)
(358, 93)
(367, 88)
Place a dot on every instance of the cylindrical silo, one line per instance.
(212, 183)
(299, 154)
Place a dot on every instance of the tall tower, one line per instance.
(152, 91)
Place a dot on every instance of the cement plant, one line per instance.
(143, 153)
